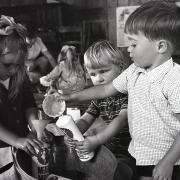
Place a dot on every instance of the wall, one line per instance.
(47, 18)
(112, 4)
(107, 13)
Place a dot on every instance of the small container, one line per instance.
(74, 112)
(40, 164)
(66, 122)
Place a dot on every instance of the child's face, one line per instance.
(8, 65)
(104, 74)
(142, 50)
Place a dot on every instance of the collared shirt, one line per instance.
(5, 83)
(153, 99)
(108, 109)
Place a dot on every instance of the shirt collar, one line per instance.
(157, 72)
(160, 71)
(5, 83)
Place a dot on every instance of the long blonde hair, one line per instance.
(13, 39)
(71, 61)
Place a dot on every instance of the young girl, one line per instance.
(17, 105)
(68, 76)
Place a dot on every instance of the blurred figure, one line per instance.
(68, 76)
(39, 60)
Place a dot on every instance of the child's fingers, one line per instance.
(33, 146)
(31, 149)
(44, 82)
(51, 91)
(81, 154)
(68, 139)
(69, 142)
(38, 143)
(27, 151)
(79, 143)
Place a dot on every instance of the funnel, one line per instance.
(40, 124)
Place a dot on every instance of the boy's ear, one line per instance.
(162, 46)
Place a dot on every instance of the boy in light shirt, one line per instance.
(153, 86)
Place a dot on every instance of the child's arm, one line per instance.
(165, 167)
(85, 122)
(92, 142)
(95, 92)
(27, 144)
(50, 58)
(55, 73)
(46, 53)
(119, 84)
(49, 78)
(113, 128)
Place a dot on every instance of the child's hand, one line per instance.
(30, 145)
(89, 144)
(52, 90)
(47, 137)
(44, 81)
(163, 170)
(69, 142)
(63, 97)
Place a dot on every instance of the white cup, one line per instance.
(66, 122)
(74, 112)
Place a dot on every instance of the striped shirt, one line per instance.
(153, 99)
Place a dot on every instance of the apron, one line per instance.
(6, 160)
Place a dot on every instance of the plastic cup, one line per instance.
(66, 122)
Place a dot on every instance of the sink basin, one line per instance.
(68, 165)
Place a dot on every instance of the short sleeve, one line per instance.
(173, 97)
(41, 44)
(120, 83)
(93, 110)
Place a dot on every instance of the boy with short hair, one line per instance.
(153, 86)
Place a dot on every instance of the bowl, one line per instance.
(52, 106)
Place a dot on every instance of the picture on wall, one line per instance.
(122, 13)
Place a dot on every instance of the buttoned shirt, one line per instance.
(153, 101)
